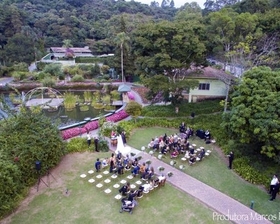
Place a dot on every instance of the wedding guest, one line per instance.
(112, 162)
(97, 165)
(88, 139)
(230, 159)
(274, 187)
(96, 141)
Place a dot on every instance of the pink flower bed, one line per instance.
(92, 125)
(72, 132)
(117, 116)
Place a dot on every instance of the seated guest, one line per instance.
(207, 135)
(191, 150)
(140, 192)
(135, 162)
(132, 195)
(150, 173)
(164, 150)
(161, 144)
(135, 170)
(156, 143)
(156, 181)
(125, 189)
(174, 154)
(105, 162)
(192, 160)
(142, 170)
(182, 127)
(164, 137)
(97, 165)
(187, 155)
(151, 144)
(202, 153)
(119, 167)
(126, 163)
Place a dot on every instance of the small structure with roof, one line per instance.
(213, 83)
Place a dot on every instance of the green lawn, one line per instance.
(214, 172)
(85, 203)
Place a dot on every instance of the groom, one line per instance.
(123, 137)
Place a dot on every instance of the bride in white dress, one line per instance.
(124, 150)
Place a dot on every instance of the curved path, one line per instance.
(225, 207)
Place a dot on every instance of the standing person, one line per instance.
(230, 159)
(88, 139)
(123, 138)
(112, 162)
(96, 144)
(273, 183)
(97, 165)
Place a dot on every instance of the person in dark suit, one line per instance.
(230, 159)
(96, 144)
(97, 165)
(123, 138)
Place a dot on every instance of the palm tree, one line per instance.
(122, 41)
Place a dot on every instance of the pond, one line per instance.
(64, 117)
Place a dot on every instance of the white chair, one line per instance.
(90, 172)
(118, 197)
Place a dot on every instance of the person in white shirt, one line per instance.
(274, 187)
(88, 139)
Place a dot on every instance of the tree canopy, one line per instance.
(255, 111)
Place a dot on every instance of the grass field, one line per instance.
(214, 172)
(85, 203)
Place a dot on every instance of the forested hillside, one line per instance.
(239, 32)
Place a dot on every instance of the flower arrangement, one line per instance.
(169, 174)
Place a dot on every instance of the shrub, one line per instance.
(247, 172)
(17, 75)
(48, 81)
(103, 145)
(107, 128)
(76, 145)
(53, 69)
(78, 78)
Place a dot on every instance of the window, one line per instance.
(204, 86)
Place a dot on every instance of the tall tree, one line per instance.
(255, 111)
(122, 40)
(161, 47)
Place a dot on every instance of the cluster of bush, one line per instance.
(25, 138)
